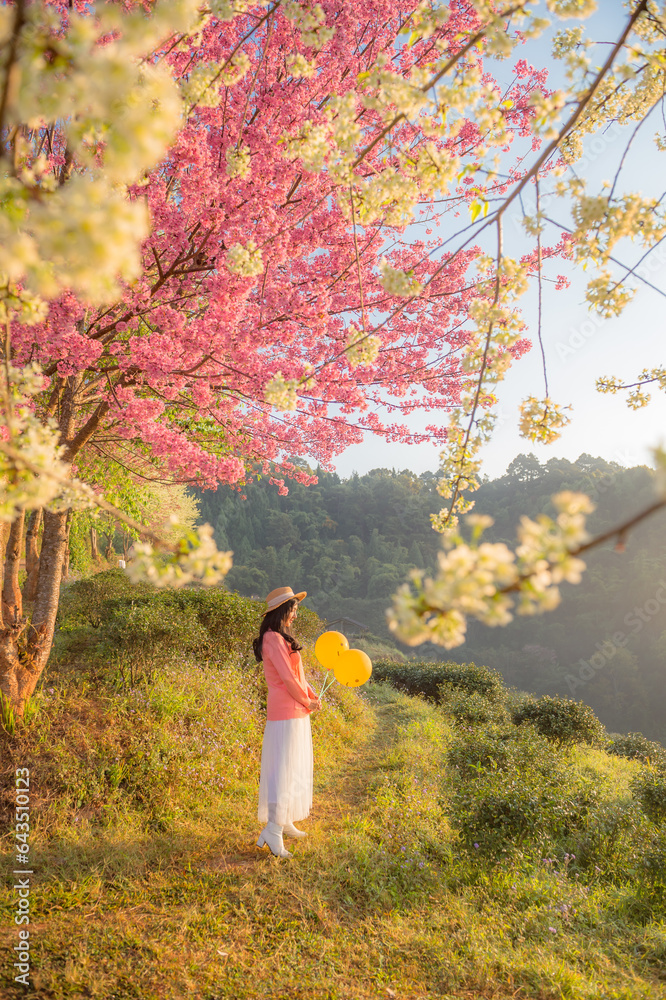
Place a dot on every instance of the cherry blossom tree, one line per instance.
(221, 250)
(267, 319)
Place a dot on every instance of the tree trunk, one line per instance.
(20, 670)
(32, 556)
(4, 535)
(65, 556)
(12, 602)
(94, 551)
(108, 551)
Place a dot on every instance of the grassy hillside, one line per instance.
(451, 853)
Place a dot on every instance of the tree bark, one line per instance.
(4, 535)
(108, 551)
(32, 556)
(65, 555)
(12, 602)
(94, 550)
(20, 669)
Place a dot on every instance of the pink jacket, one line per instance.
(289, 694)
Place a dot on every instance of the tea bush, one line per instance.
(611, 845)
(653, 868)
(502, 748)
(427, 679)
(560, 719)
(471, 755)
(649, 789)
(635, 746)
(86, 602)
(107, 616)
(507, 810)
(469, 709)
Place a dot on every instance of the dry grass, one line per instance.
(161, 893)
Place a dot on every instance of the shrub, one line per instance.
(635, 746)
(427, 679)
(610, 845)
(498, 816)
(653, 869)
(496, 748)
(472, 709)
(513, 790)
(87, 601)
(649, 789)
(476, 752)
(560, 719)
(107, 615)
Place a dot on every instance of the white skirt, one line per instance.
(285, 785)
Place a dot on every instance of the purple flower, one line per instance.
(477, 846)
(553, 930)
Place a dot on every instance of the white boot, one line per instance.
(289, 830)
(271, 835)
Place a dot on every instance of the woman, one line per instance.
(285, 785)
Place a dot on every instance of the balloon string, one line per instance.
(326, 685)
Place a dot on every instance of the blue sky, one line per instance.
(579, 345)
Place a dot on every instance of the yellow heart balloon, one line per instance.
(353, 668)
(328, 648)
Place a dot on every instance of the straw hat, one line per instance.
(281, 596)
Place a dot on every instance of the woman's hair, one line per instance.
(273, 621)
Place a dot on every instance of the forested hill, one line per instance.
(349, 543)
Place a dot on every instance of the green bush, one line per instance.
(86, 602)
(610, 845)
(506, 810)
(107, 615)
(560, 719)
(427, 679)
(469, 709)
(495, 748)
(480, 751)
(496, 817)
(653, 865)
(513, 790)
(635, 746)
(649, 789)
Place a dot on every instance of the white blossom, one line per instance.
(199, 560)
(299, 66)
(361, 349)
(397, 282)
(238, 161)
(541, 419)
(245, 261)
(281, 392)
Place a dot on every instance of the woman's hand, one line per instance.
(315, 704)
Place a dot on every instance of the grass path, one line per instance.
(366, 910)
